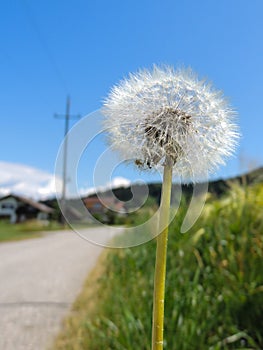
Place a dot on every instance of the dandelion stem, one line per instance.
(160, 264)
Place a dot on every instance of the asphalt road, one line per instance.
(39, 280)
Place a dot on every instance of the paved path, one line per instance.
(39, 280)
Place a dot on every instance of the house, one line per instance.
(18, 209)
(102, 206)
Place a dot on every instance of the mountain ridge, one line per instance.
(215, 187)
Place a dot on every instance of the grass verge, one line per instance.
(214, 291)
(27, 230)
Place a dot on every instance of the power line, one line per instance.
(45, 46)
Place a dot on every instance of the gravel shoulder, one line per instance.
(39, 281)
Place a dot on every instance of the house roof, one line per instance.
(40, 206)
(109, 202)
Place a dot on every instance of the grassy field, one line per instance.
(26, 230)
(214, 295)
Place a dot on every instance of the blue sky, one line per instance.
(53, 48)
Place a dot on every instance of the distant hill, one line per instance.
(217, 188)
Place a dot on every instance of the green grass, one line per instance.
(27, 230)
(214, 291)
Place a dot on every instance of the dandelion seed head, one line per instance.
(170, 115)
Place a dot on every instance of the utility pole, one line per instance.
(66, 117)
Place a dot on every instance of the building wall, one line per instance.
(14, 210)
(8, 208)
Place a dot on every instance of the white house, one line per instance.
(18, 209)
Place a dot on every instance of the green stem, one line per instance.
(160, 264)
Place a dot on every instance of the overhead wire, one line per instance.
(46, 48)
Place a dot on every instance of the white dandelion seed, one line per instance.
(165, 115)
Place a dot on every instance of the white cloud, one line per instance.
(34, 183)
(114, 183)
(24, 180)
(118, 182)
